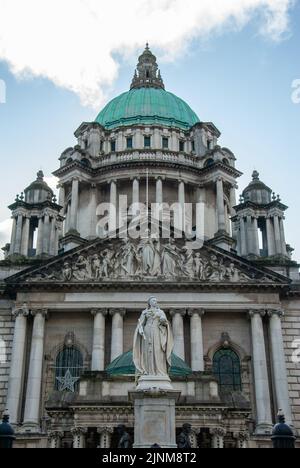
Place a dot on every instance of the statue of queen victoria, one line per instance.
(153, 342)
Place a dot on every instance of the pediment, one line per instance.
(147, 260)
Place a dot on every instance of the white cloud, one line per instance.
(74, 43)
(5, 233)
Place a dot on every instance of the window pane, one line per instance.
(181, 146)
(68, 361)
(129, 143)
(113, 146)
(227, 368)
(147, 142)
(165, 143)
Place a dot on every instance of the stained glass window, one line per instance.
(69, 362)
(227, 368)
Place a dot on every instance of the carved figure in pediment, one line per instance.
(213, 269)
(96, 266)
(147, 252)
(189, 263)
(82, 269)
(170, 259)
(104, 263)
(200, 267)
(67, 272)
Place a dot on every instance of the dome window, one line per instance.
(182, 146)
(85, 162)
(129, 143)
(113, 146)
(209, 162)
(193, 146)
(69, 161)
(147, 142)
(165, 143)
(226, 162)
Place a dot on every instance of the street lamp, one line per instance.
(283, 435)
(7, 434)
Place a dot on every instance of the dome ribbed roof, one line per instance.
(147, 106)
(147, 102)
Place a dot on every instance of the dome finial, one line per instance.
(147, 74)
(40, 175)
(255, 175)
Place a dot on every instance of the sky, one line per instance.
(234, 61)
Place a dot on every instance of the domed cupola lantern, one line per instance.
(147, 74)
(260, 220)
(37, 222)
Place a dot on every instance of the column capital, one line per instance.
(276, 312)
(192, 312)
(76, 431)
(242, 436)
(121, 312)
(174, 312)
(105, 430)
(133, 178)
(253, 313)
(55, 435)
(20, 310)
(95, 312)
(218, 431)
(93, 186)
(42, 312)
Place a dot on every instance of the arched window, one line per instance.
(85, 162)
(227, 369)
(209, 162)
(226, 162)
(68, 369)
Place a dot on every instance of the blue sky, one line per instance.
(236, 78)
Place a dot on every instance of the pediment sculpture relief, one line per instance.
(146, 259)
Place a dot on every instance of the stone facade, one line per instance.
(72, 286)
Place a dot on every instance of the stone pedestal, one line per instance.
(154, 409)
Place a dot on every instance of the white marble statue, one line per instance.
(153, 342)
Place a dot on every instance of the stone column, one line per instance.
(98, 355)
(92, 212)
(46, 234)
(15, 381)
(279, 365)
(79, 434)
(53, 237)
(256, 237)
(135, 195)
(74, 205)
(54, 439)
(105, 436)
(113, 203)
(244, 250)
(159, 190)
(25, 237)
(261, 377)
(218, 437)
(249, 235)
(220, 205)
(13, 236)
(178, 332)
(181, 201)
(117, 333)
(19, 234)
(277, 236)
(62, 198)
(40, 237)
(282, 236)
(197, 352)
(242, 439)
(200, 213)
(270, 237)
(33, 394)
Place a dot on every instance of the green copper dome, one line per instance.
(147, 102)
(147, 106)
(124, 365)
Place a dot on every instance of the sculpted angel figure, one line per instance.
(153, 342)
